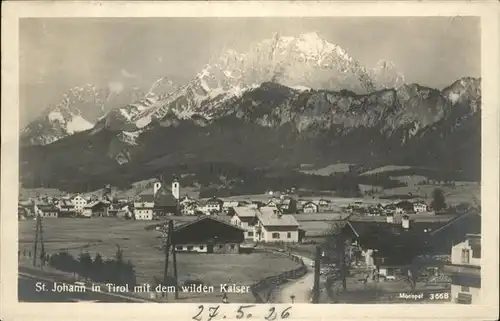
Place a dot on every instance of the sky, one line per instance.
(59, 53)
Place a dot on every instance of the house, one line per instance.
(389, 209)
(246, 218)
(47, 210)
(310, 207)
(189, 207)
(454, 231)
(122, 212)
(324, 205)
(210, 206)
(389, 247)
(214, 205)
(419, 207)
(404, 207)
(66, 208)
(465, 270)
(289, 205)
(208, 234)
(227, 206)
(95, 208)
(79, 203)
(301, 203)
(144, 207)
(273, 226)
(274, 203)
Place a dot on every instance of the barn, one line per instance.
(208, 234)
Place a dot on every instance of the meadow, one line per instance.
(143, 249)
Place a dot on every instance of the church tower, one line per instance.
(175, 189)
(156, 188)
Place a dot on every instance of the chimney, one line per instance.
(405, 222)
(389, 218)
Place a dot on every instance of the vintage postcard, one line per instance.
(250, 160)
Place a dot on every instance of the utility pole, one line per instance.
(167, 249)
(170, 246)
(341, 259)
(317, 263)
(174, 257)
(39, 238)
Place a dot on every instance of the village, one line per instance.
(382, 239)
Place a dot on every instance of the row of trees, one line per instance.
(115, 270)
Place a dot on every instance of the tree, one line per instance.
(85, 265)
(438, 200)
(97, 269)
(337, 249)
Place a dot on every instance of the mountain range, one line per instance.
(286, 102)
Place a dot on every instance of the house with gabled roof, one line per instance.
(289, 205)
(95, 208)
(246, 218)
(273, 226)
(228, 206)
(47, 210)
(310, 207)
(144, 207)
(208, 234)
(79, 202)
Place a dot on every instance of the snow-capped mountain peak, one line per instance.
(303, 61)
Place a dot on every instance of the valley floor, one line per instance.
(143, 249)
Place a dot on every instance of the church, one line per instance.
(166, 201)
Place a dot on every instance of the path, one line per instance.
(300, 288)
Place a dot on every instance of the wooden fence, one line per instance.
(263, 289)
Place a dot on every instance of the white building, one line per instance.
(273, 226)
(144, 207)
(310, 207)
(79, 203)
(465, 271)
(419, 207)
(246, 218)
(228, 205)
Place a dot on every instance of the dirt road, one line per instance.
(300, 288)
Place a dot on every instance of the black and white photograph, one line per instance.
(250, 160)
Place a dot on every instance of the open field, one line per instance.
(143, 249)
(387, 168)
(460, 193)
(25, 193)
(328, 170)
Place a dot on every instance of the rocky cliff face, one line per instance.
(275, 125)
(303, 62)
(79, 110)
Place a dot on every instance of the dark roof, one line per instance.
(457, 220)
(143, 198)
(47, 207)
(361, 228)
(203, 218)
(163, 198)
(376, 233)
(214, 200)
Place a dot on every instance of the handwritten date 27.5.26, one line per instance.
(243, 312)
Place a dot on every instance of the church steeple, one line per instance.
(175, 188)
